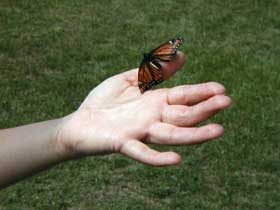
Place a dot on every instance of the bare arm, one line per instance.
(27, 149)
(116, 117)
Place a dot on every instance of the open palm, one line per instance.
(116, 117)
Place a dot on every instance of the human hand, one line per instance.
(116, 117)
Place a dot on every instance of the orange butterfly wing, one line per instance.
(149, 75)
(167, 50)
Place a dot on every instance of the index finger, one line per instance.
(171, 67)
(168, 69)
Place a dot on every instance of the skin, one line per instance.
(116, 118)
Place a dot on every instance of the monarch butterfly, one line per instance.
(150, 72)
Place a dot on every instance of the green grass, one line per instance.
(52, 53)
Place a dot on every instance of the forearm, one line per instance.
(28, 149)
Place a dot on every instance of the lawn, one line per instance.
(52, 53)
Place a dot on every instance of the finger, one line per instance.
(188, 116)
(191, 94)
(141, 152)
(171, 67)
(167, 134)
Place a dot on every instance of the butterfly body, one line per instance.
(150, 70)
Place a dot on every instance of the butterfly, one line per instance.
(150, 70)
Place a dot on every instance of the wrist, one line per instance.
(64, 150)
